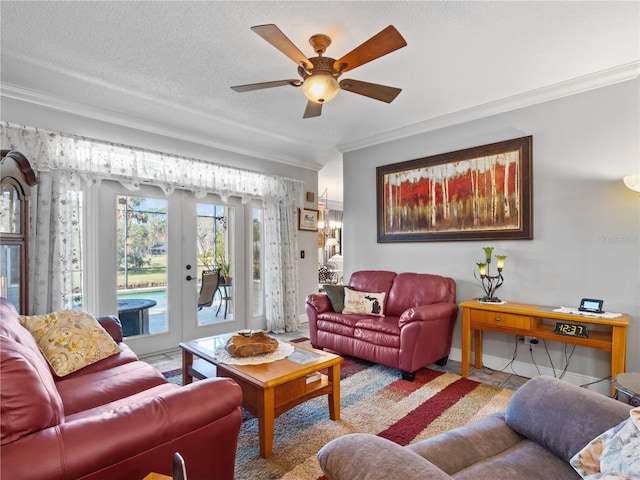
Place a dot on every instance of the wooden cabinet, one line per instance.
(17, 178)
(608, 334)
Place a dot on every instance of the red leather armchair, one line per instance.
(420, 311)
(115, 419)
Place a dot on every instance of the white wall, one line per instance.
(586, 222)
(15, 111)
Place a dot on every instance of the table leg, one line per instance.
(466, 341)
(477, 347)
(618, 353)
(266, 420)
(334, 396)
(187, 361)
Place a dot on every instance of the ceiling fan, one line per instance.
(320, 74)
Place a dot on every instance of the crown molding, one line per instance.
(596, 80)
(114, 117)
(601, 79)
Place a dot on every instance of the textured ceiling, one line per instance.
(167, 66)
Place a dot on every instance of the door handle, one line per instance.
(189, 277)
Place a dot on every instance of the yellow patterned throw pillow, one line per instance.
(70, 339)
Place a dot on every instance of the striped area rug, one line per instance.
(373, 400)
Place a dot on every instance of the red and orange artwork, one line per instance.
(477, 194)
(484, 192)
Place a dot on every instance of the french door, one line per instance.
(152, 252)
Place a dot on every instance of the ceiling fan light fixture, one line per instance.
(320, 87)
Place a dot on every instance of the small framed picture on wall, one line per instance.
(308, 219)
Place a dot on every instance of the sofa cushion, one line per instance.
(70, 339)
(525, 461)
(338, 328)
(348, 320)
(379, 331)
(336, 296)
(126, 355)
(538, 411)
(89, 391)
(488, 449)
(123, 402)
(414, 289)
(373, 281)
(29, 401)
(363, 303)
(10, 327)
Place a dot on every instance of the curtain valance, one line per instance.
(96, 160)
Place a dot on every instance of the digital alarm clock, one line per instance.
(571, 330)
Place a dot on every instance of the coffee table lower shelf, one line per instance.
(269, 395)
(300, 390)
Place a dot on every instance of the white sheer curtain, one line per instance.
(66, 162)
(282, 275)
(56, 251)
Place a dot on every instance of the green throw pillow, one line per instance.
(336, 296)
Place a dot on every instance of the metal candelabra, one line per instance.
(490, 283)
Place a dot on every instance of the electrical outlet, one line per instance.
(530, 340)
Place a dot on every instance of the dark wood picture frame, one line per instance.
(308, 219)
(479, 193)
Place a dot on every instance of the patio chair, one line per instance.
(208, 288)
(224, 297)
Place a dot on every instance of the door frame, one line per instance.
(181, 315)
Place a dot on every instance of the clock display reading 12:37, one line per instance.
(571, 329)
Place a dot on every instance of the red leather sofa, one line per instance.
(118, 418)
(420, 311)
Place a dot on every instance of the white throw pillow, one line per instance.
(363, 303)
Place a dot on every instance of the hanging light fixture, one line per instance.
(320, 87)
(633, 182)
(320, 84)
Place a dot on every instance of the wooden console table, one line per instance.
(608, 334)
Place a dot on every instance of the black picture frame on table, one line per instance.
(479, 193)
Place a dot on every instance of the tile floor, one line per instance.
(169, 359)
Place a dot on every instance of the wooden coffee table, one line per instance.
(268, 389)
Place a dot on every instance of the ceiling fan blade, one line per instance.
(275, 37)
(313, 109)
(386, 41)
(258, 86)
(371, 90)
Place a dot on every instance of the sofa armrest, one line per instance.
(89, 444)
(319, 302)
(112, 325)
(427, 313)
(365, 456)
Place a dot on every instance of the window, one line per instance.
(214, 224)
(257, 286)
(142, 263)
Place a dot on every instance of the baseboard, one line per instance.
(529, 370)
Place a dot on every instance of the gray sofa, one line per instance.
(546, 423)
